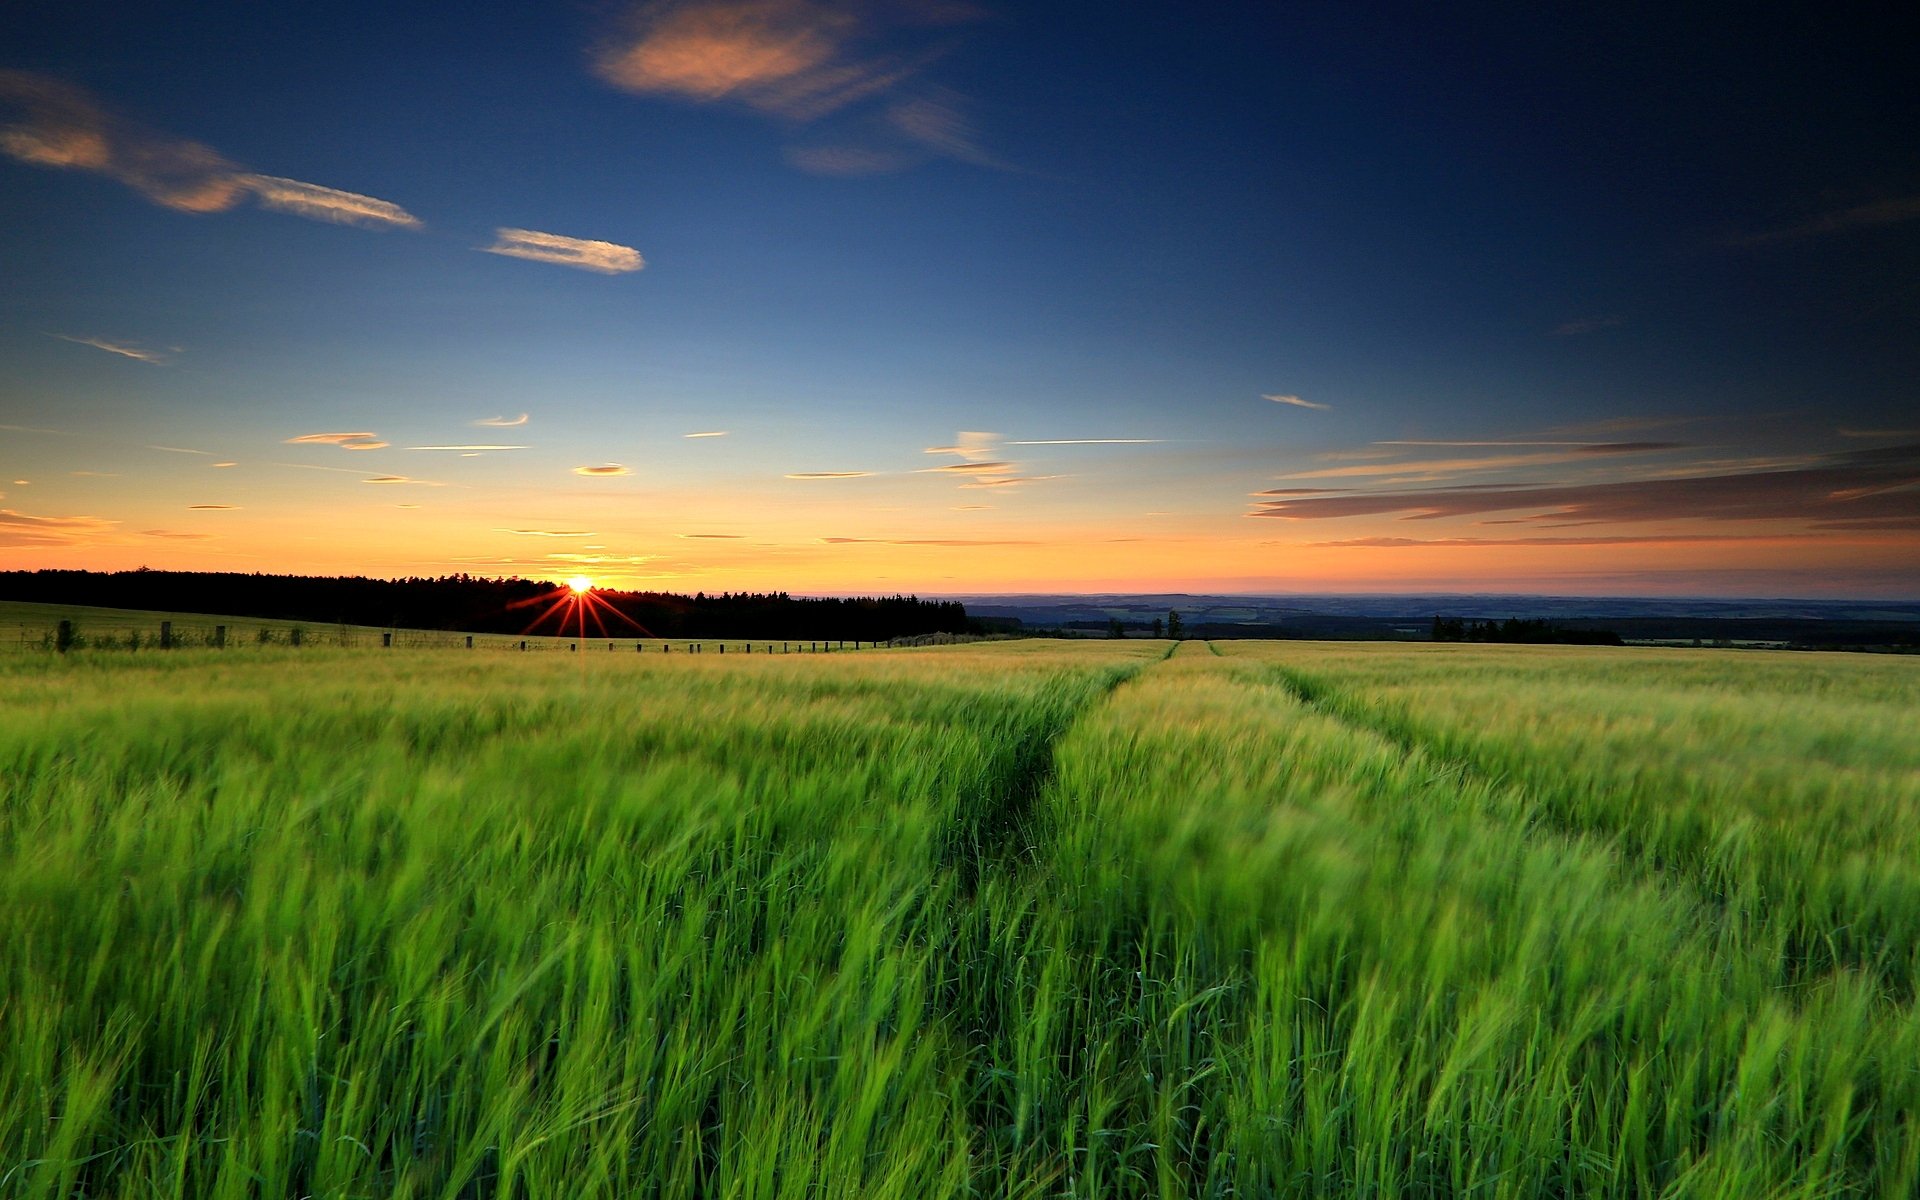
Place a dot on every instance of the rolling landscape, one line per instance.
(959, 600)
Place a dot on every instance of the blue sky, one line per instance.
(1557, 256)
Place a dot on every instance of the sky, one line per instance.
(936, 297)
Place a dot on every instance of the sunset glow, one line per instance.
(834, 300)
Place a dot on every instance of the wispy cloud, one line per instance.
(346, 441)
(212, 507)
(552, 533)
(1295, 401)
(971, 445)
(405, 480)
(1090, 442)
(19, 530)
(225, 464)
(55, 124)
(1856, 490)
(503, 422)
(711, 433)
(608, 469)
(123, 349)
(1880, 433)
(1580, 325)
(1008, 481)
(175, 534)
(607, 258)
(183, 450)
(1872, 215)
(1625, 540)
(1434, 467)
(797, 59)
(803, 60)
(719, 537)
(318, 203)
(973, 468)
(828, 474)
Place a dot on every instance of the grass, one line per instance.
(1020, 919)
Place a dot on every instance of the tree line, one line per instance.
(1521, 630)
(474, 604)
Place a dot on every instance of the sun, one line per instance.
(580, 585)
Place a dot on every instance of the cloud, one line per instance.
(796, 59)
(607, 258)
(828, 474)
(609, 469)
(1880, 486)
(1873, 215)
(711, 433)
(54, 124)
(1627, 540)
(1880, 433)
(712, 536)
(346, 441)
(800, 61)
(19, 530)
(1010, 481)
(182, 450)
(123, 349)
(174, 533)
(318, 203)
(1493, 462)
(402, 479)
(1091, 442)
(971, 445)
(1582, 325)
(553, 533)
(973, 468)
(1295, 401)
(226, 464)
(471, 449)
(212, 507)
(503, 422)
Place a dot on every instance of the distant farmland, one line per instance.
(1105, 918)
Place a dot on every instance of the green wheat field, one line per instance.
(1022, 919)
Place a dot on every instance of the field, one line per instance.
(1099, 919)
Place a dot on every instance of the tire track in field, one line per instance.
(1809, 952)
(996, 831)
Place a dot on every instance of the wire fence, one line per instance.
(65, 637)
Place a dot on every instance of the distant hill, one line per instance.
(1811, 623)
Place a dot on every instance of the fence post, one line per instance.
(293, 637)
(523, 645)
(469, 641)
(386, 640)
(609, 647)
(63, 640)
(573, 645)
(723, 647)
(166, 635)
(219, 637)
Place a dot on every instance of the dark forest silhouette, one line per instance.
(477, 605)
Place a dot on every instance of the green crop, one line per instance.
(1013, 920)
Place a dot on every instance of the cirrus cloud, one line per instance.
(606, 258)
(346, 441)
(609, 469)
